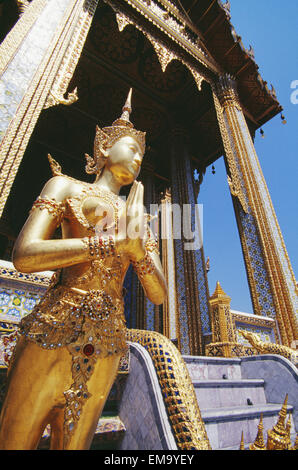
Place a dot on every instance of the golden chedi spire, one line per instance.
(219, 292)
(242, 446)
(259, 443)
(277, 436)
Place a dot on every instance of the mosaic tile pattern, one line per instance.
(150, 315)
(199, 256)
(180, 278)
(16, 303)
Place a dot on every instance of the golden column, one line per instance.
(170, 310)
(271, 279)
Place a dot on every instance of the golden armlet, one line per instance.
(51, 205)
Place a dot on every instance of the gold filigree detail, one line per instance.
(122, 21)
(54, 208)
(278, 436)
(54, 100)
(71, 58)
(55, 167)
(197, 76)
(259, 443)
(177, 389)
(22, 5)
(270, 348)
(226, 87)
(164, 55)
(234, 177)
(173, 30)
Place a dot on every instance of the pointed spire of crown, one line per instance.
(107, 136)
(126, 111)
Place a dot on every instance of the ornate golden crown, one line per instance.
(107, 136)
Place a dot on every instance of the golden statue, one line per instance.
(69, 348)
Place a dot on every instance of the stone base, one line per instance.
(229, 350)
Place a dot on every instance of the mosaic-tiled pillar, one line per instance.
(271, 279)
(191, 277)
(37, 60)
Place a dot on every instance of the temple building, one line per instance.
(65, 67)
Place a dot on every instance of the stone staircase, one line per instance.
(229, 403)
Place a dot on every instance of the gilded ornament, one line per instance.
(270, 348)
(259, 443)
(22, 5)
(277, 437)
(54, 100)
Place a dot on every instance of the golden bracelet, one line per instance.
(144, 266)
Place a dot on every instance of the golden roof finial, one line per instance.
(219, 289)
(259, 443)
(219, 292)
(277, 437)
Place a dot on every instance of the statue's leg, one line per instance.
(36, 383)
(99, 385)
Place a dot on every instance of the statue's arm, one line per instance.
(154, 284)
(34, 249)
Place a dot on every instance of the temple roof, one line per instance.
(212, 20)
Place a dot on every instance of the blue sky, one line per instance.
(271, 27)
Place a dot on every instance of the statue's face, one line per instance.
(124, 160)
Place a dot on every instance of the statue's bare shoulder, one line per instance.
(61, 188)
